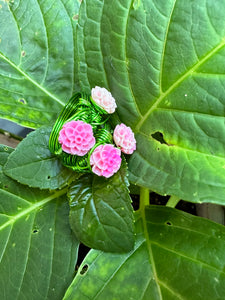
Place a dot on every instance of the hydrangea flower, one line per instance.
(104, 99)
(76, 137)
(105, 160)
(124, 138)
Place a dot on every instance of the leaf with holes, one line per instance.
(101, 214)
(37, 62)
(38, 250)
(176, 256)
(33, 164)
(163, 61)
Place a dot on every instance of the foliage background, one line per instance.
(163, 62)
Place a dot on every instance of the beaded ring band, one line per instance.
(82, 137)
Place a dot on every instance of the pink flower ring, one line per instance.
(124, 138)
(76, 137)
(104, 99)
(105, 160)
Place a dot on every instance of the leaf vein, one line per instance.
(171, 290)
(33, 207)
(18, 29)
(2, 56)
(164, 45)
(178, 82)
(73, 75)
(117, 269)
(149, 246)
(51, 256)
(5, 245)
(126, 60)
(203, 264)
(47, 42)
(27, 258)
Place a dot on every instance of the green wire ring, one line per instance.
(81, 107)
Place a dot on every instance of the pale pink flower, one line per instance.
(105, 160)
(104, 99)
(76, 137)
(124, 138)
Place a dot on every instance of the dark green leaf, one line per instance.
(163, 62)
(33, 164)
(101, 214)
(37, 248)
(37, 62)
(176, 256)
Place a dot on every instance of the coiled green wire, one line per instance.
(81, 107)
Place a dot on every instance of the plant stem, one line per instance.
(144, 198)
(172, 202)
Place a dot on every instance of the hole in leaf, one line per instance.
(48, 177)
(83, 251)
(35, 231)
(158, 136)
(75, 17)
(23, 101)
(5, 186)
(84, 269)
(169, 223)
(23, 53)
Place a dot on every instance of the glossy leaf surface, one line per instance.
(37, 62)
(37, 248)
(163, 62)
(176, 256)
(101, 214)
(33, 164)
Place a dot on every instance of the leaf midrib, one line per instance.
(149, 247)
(116, 270)
(185, 256)
(34, 162)
(95, 199)
(32, 208)
(31, 80)
(176, 83)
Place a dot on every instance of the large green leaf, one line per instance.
(37, 249)
(177, 256)
(37, 62)
(33, 164)
(163, 62)
(101, 214)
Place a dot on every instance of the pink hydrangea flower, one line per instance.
(76, 137)
(104, 99)
(105, 160)
(124, 138)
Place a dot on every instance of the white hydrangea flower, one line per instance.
(104, 99)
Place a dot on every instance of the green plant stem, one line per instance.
(172, 202)
(11, 135)
(144, 198)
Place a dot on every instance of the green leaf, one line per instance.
(101, 214)
(33, 164)
(176, 256)
(37, 248)
(37, 61)
(163, 62)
